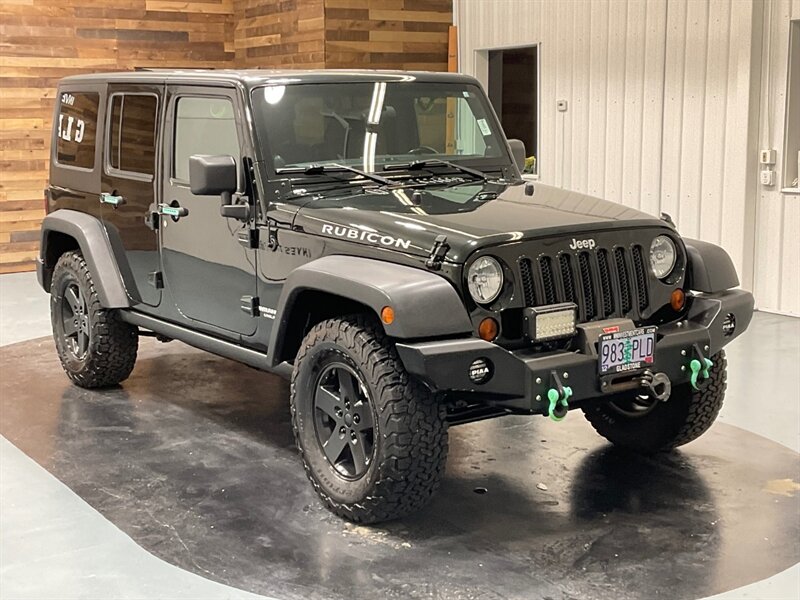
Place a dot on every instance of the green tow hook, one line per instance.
(699, 371)
(558, 403)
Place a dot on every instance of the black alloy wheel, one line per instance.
(75, 321)
(344, 420)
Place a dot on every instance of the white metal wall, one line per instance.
(663, 104)
(777, 216)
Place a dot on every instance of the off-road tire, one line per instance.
(112, 344)
(685, 416)
(410, 441)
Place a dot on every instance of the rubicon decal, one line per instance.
(372, 237)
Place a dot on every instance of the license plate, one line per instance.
(626, 350)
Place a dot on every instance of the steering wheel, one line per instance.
(423, 150)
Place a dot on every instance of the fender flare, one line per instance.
(92, 239)
(709, 267)
(426, 305)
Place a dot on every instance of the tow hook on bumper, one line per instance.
(658, 385)
(699, 365)
(558, 397)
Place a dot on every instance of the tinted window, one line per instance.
(132, 133)
(76, 129)
(203, 126)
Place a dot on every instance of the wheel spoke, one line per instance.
(73, 299)
(346, 387)
(327, 401)
(359, 454)
(365, 421)
(70, 328)
(84, 326)
(83, 342)
(334, 446)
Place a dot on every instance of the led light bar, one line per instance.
(550, 322)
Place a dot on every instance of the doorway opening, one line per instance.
(513, 88)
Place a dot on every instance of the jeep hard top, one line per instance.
(369, 235)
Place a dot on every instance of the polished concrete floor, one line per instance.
(183, 483)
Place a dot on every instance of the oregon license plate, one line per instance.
(626, 350)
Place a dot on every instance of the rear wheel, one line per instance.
(651, 425)
(95, 347)
(373, 441)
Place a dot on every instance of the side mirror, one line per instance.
(518, 152)
(212, 175)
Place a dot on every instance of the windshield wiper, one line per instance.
(424, 164)
(332, 168)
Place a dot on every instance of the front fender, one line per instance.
(425, 304)
(710, 269)
(90, 235)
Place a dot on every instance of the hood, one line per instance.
(471, 215)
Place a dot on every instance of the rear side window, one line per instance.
(203, 126)
(132, 134)
(76, 129)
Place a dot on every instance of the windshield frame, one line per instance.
(503, 163)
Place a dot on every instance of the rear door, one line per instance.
(128, 182)
(209, 272)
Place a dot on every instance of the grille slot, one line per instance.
(548, 281)
(641, 277)
(526, 276)
(566, 278)
(605, 282)
(588, 286)
(624, 285)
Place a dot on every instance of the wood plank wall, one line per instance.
(387, 34)
(42, 41)
(280, 33)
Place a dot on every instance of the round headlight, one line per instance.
(662, 256)
(485, 279)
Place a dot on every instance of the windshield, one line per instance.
(372, 125)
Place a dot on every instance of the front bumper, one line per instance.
(520, 378)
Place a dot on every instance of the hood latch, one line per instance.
(438, 252)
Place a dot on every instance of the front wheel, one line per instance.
(373, 441)
(651, 425)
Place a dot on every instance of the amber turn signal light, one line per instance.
(677, 300)
(387, 315)
(488, 329)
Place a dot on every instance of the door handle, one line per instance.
(176, 212)
(113, 200)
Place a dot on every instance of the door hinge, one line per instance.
(438, 252)
(248, 238)
(156, 279)
(249, 305)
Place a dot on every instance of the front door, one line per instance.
(207, 271)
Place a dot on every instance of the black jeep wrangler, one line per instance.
(369, 235)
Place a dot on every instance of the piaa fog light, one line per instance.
(729, 325)
(480, 371)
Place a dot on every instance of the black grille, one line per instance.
(603, 283)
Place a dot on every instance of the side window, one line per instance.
(132, 134)
(203, 126)
(76, 129)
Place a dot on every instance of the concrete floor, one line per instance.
(48, 528)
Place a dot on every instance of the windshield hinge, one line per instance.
(438, 252)
(248, 238)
